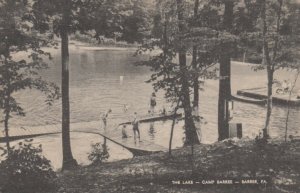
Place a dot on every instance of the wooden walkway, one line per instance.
(137, 147)
(261, 93)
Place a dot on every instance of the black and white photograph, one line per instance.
(149, 96)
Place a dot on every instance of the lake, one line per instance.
(96, 86)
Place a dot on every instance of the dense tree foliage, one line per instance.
(20, 73)
(177, 76)
(126, 20)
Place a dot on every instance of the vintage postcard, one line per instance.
(100, 96)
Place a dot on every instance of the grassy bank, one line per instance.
(276, 161)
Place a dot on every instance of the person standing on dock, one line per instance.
(135, 127)
(152, 103)
(104, 118)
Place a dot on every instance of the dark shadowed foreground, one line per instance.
(276, 162)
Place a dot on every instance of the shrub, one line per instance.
(26, 170)
(99, 153)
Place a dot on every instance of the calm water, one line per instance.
(95, 87)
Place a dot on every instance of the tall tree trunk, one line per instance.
(6, 118)
(6, 132)
(269, 62)
(7, 107)
(196, 82)
(194, 63)
(68, 161)
(172, 128)
(224, 97)
(289, 104)
(225, 76)
(266, 60)
(269, 102)
(190, 131)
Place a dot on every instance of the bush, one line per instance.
(26, 170)
(99, 153)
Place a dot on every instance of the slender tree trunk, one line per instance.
(196, 82)
(68, 161)
(269, 102)
(266, 61)
(172, 129)
(171, 136)
(6, 132)
(225, 76)
(190, 131)
(6, 118)
(289, 105)
(165, 37)
(269, 62)
(196, 86)
(194, 63)
(7, 108)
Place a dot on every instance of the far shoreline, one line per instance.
(103, 47)
(130, 47)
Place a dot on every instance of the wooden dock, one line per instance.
(137, 147)
(155, 117)
(261, 94)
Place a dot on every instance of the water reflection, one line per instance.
(152, 131)
(83, 60)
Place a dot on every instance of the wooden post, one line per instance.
(235, 130)
(239, 130)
